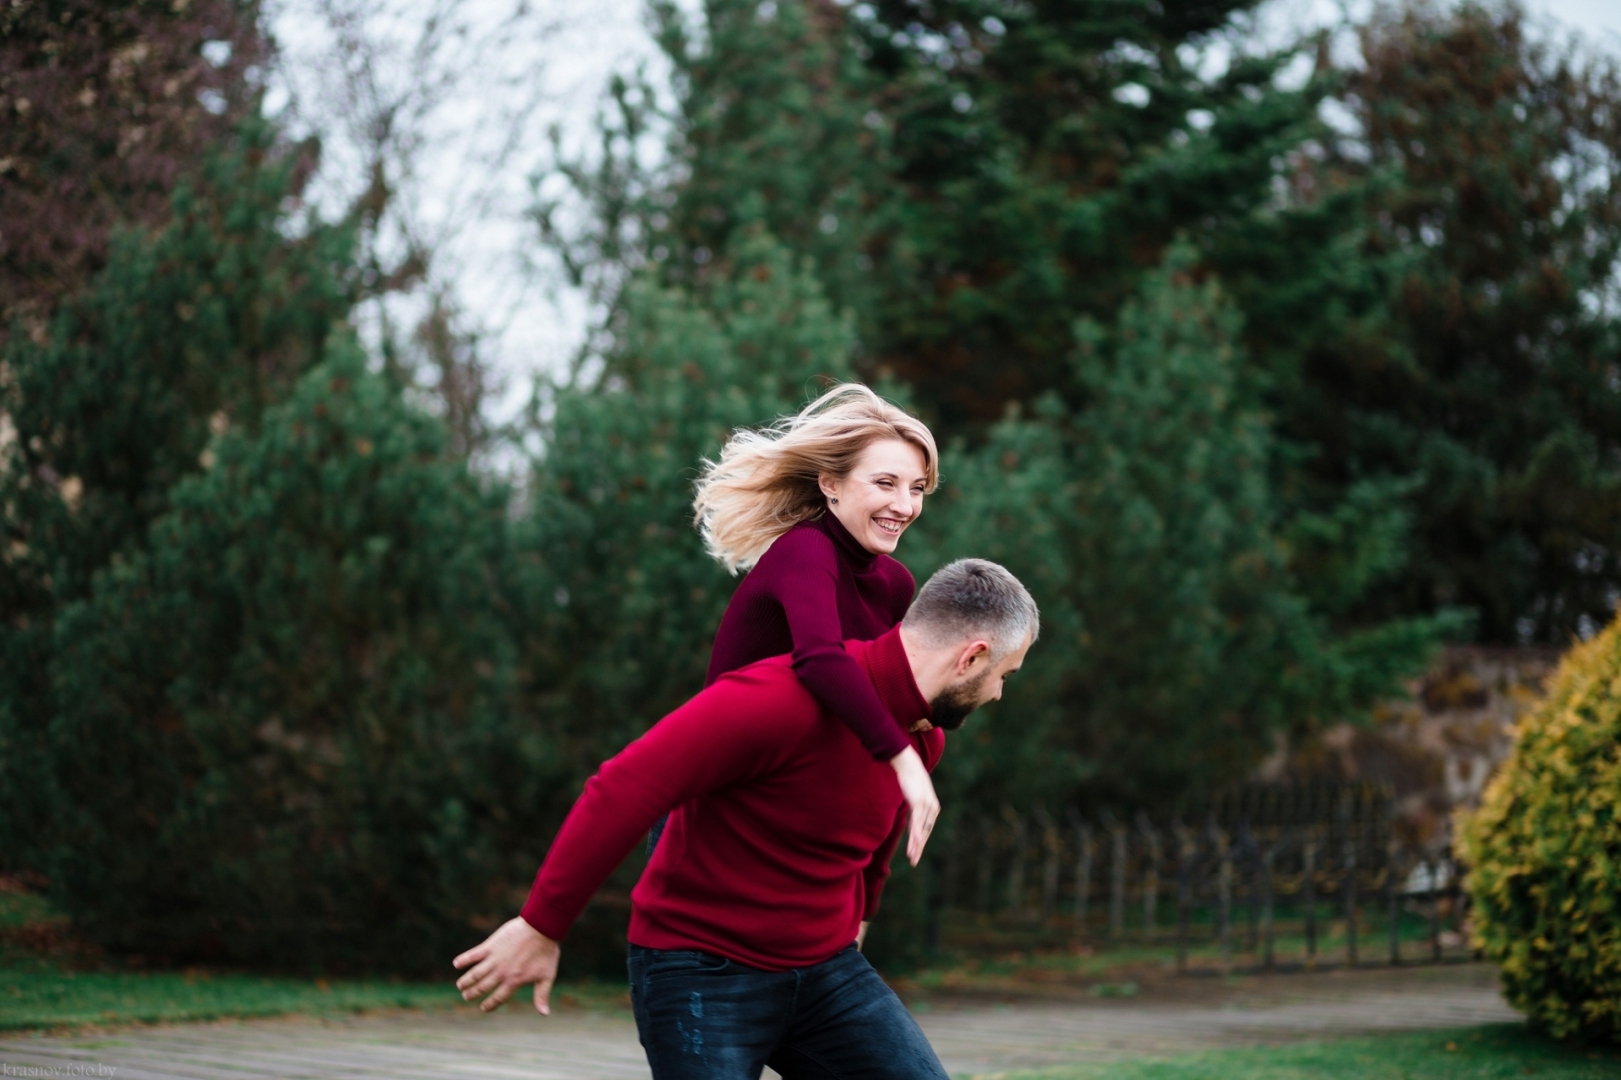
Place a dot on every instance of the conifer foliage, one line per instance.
(199, 323)
(1177, 643)
(285, 728)
(257, 689)
(1495, 390)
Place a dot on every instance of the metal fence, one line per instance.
(1226, 877)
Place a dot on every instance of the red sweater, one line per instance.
(812, 590)
(781, 825)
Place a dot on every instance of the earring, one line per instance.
(835, 502)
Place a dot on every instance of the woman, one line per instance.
(812, 507)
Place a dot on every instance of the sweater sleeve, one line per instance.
(809, 598)
(876, 874)
(713, 740)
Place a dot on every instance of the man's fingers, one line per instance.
(481, 980)
(494, 979)
(478, 973)
(470, 978)
(543, 996)
(497, 999)
(471, 956)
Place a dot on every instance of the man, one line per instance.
(746, 925)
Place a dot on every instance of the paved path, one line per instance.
(973, 1036)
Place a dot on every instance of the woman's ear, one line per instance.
(829, 486)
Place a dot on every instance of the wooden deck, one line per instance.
(972, 1036)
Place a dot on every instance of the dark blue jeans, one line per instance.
(703, 1017)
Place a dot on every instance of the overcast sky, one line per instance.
(563, 54)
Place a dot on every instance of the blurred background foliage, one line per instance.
(1269, 376)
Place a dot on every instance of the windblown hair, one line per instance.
(765, 482)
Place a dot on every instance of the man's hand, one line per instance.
(514, 955)
(920, 799)
(861, 934)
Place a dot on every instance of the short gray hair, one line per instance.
(974, 598)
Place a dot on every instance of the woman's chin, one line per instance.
(880, 542)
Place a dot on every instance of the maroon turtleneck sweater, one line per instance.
(812, 590)
(781, 825)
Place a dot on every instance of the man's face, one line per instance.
(981, 683)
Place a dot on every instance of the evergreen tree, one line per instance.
(192, 327)
(1495, 397)
(283, 729)
(970, 177)
(1176, 642)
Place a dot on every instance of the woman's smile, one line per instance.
(882, 495)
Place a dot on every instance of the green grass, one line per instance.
(1484, 1053)
(58, 999)
(38, 994)
(54, 989)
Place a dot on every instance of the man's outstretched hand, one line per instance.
(516, 954)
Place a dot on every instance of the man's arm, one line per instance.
(876, 873)
(722, 736)
(735, 729)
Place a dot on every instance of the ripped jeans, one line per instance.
(703, 1017)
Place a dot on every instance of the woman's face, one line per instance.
(881, 496)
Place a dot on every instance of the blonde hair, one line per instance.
(766, 482)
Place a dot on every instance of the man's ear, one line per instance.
(973, 651)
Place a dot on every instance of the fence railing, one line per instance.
(1311, 855)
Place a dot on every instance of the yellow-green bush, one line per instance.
(1545, 852)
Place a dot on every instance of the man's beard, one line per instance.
(952, 705)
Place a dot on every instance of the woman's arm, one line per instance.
(804, 580)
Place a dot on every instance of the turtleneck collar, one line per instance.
(853, 552)
(887, 665)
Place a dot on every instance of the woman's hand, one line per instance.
(924, 804)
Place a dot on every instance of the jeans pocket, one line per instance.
(659, 963)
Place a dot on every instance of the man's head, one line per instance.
(966, 632)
